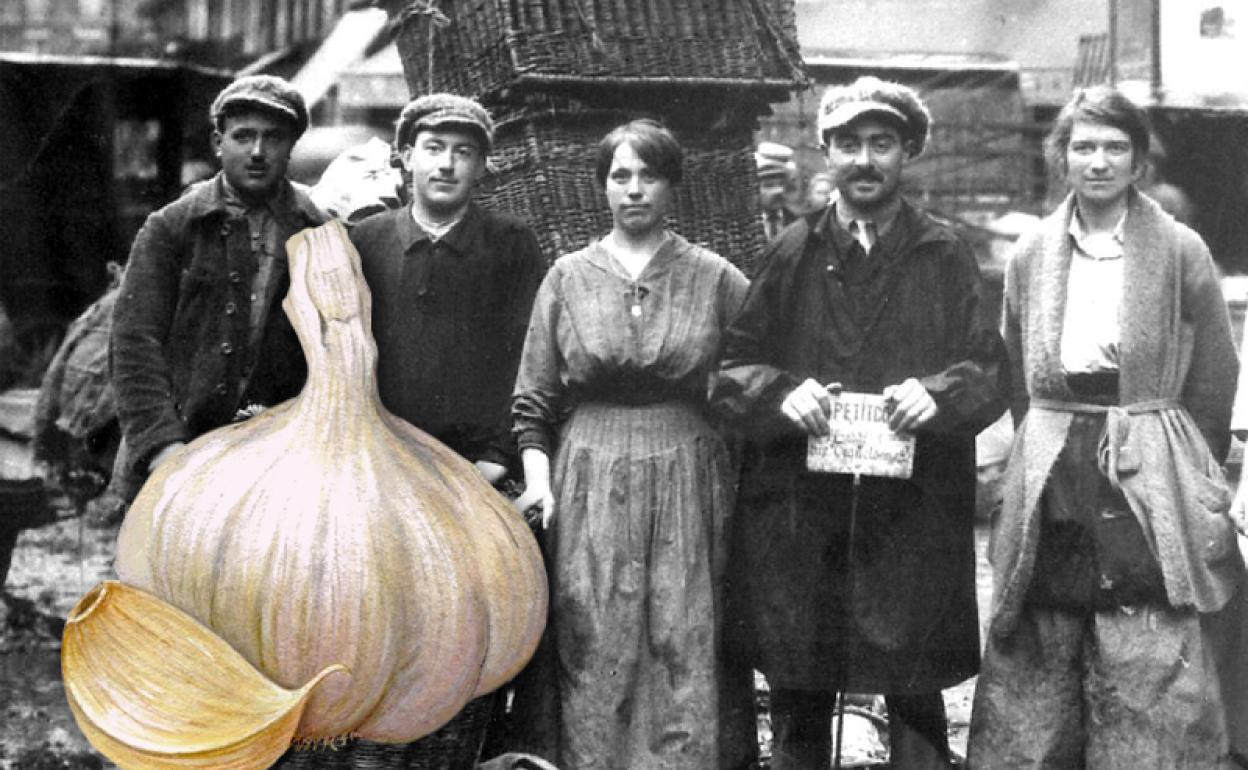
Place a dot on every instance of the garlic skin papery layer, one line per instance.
(326, 531)
(152, 688)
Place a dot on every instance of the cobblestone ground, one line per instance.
(55, 565)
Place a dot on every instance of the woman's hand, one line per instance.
(808, 405)
(491, 472)
(537, 500)
(537, 494)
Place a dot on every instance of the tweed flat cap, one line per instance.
(432, 110)
(773, 159)
(842, 105)
(266, 92)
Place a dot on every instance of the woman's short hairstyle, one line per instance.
(1100, 104)
(653, 143)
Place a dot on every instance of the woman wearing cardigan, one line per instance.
(1114, 548)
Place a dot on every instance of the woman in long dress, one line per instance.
(633, 482)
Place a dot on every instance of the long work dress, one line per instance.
(643, 491)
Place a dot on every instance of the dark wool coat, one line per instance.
(904, 618)
(182, 358)
(1163, 445)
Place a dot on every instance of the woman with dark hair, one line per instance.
(633, 482)
(1113, 551)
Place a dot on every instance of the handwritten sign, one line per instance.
(860, 441)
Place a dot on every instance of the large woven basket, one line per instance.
(484, 47)
(454, 746)
(543, 172)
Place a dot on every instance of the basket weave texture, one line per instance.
(543, 172)
(484, 46)
(454, 746)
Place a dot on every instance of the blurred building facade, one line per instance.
(217, 33)
(993, 72)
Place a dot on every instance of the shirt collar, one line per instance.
(438, 232)
(461, 237)
(237, 205)
(1098, 245)
(849, 225)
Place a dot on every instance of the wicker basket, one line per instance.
(454, 746)
(484, 47)
(543, 172)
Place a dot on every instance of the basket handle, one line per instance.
(437, 20)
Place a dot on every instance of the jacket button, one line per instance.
(225, 229)
(236, 277)
(221, 389)
(231, 308)
(226, 348)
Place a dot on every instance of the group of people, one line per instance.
(657, 406)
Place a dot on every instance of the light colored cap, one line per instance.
(773, 159)
(847, 112)
(843, 104)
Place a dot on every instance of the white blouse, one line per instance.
(1090, 333)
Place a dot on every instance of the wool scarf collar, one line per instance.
(1148, 316)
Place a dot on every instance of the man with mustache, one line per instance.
(452, 286)
(863, 584)
(198, 331)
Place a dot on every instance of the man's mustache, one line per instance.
(865, 174)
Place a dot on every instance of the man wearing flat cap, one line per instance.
(848, 581)
(777, 174)
(199, 336)
(452, 286)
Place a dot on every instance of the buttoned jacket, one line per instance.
(184, 358)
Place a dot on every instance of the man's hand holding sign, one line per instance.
(860, 433)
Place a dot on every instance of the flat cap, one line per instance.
(437, 110)
(772, 159)
(265, 92)
(843, 104)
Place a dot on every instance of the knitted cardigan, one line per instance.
(1163, 443)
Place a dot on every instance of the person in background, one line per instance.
(1113, 552)
(633, 482)
(819, 191)
(844, 586)
(1154, 183)
(777, 173)
(198, 333)
(452, 285)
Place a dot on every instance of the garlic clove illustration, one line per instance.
(152, 688)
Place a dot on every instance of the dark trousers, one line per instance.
(801, 722)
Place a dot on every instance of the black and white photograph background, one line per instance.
(104, 120)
